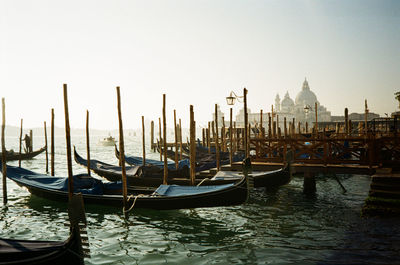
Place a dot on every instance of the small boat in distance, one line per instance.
(108, 141)
(11, 155)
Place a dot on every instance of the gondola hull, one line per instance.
(203, 196)
(139, 176)
(27, 252)
(267, 179)
(11, 156)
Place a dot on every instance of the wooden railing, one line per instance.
(333, 149)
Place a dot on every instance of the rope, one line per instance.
(134, 201)
(201, 182)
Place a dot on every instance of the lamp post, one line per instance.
(307, 109)
(230, 100)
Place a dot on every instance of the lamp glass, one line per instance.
(230, 100)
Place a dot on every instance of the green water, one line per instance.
(277, 227)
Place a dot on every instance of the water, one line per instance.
(278, 227)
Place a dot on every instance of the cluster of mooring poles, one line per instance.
(355, 143)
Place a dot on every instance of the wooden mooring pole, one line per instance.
(122, 154)
(30, 147)
(230, 137)
(165, 179)
(180, 140)
(143, 142)
(192, 147)
(20, 145)
(152, 136)
(216, 138)
(52, 144)
(68, 143)
(45, 143)
(161, 142)
(245, 121)
(87, 143)
(176, 141)
(3, 152)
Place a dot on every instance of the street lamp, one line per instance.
(307, 109)
(230, 100)
(232, 97)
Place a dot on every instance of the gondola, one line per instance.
(207, 161)
(27, 252)
(165, 197)
(267, 179)
(138, 161)
(10, 156)
(142, 176)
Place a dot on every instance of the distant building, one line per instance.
(292, 109)
(356, 117)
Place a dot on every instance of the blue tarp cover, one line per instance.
(136, 160)
(176, 190)
(84, 185)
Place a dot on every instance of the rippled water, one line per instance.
(278, 227)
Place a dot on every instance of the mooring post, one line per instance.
(230, 138)
(4, 152)
(223, 135)
(346, 121)
(165, 182)
(30, 148)
(203, 135)
(192, 147)
(180, 140)
(209, 138)
(45, 145)
(246, 121)
(309, 183)
(366, 119)
(176, 141)
(52, 144)
(20, 146)
(152, 136)
(216, 139)
(316, 119)
(269, 126)
(68, 143)
(160, 146)
(143, 142)
(122, 154)
(277, 123)
(87, 143)
(261, 135)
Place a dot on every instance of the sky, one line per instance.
(196, 52)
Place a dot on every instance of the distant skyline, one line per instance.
(195, 52)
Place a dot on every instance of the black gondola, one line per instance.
(142, 176)
(166, 197)
(267, 179)
(11, 156)
(27, 252)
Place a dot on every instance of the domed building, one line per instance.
(305, 99)
(293, 109)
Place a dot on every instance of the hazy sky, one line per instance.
(196, 52)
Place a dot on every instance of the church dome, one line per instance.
(287, 101)
(306, 96)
